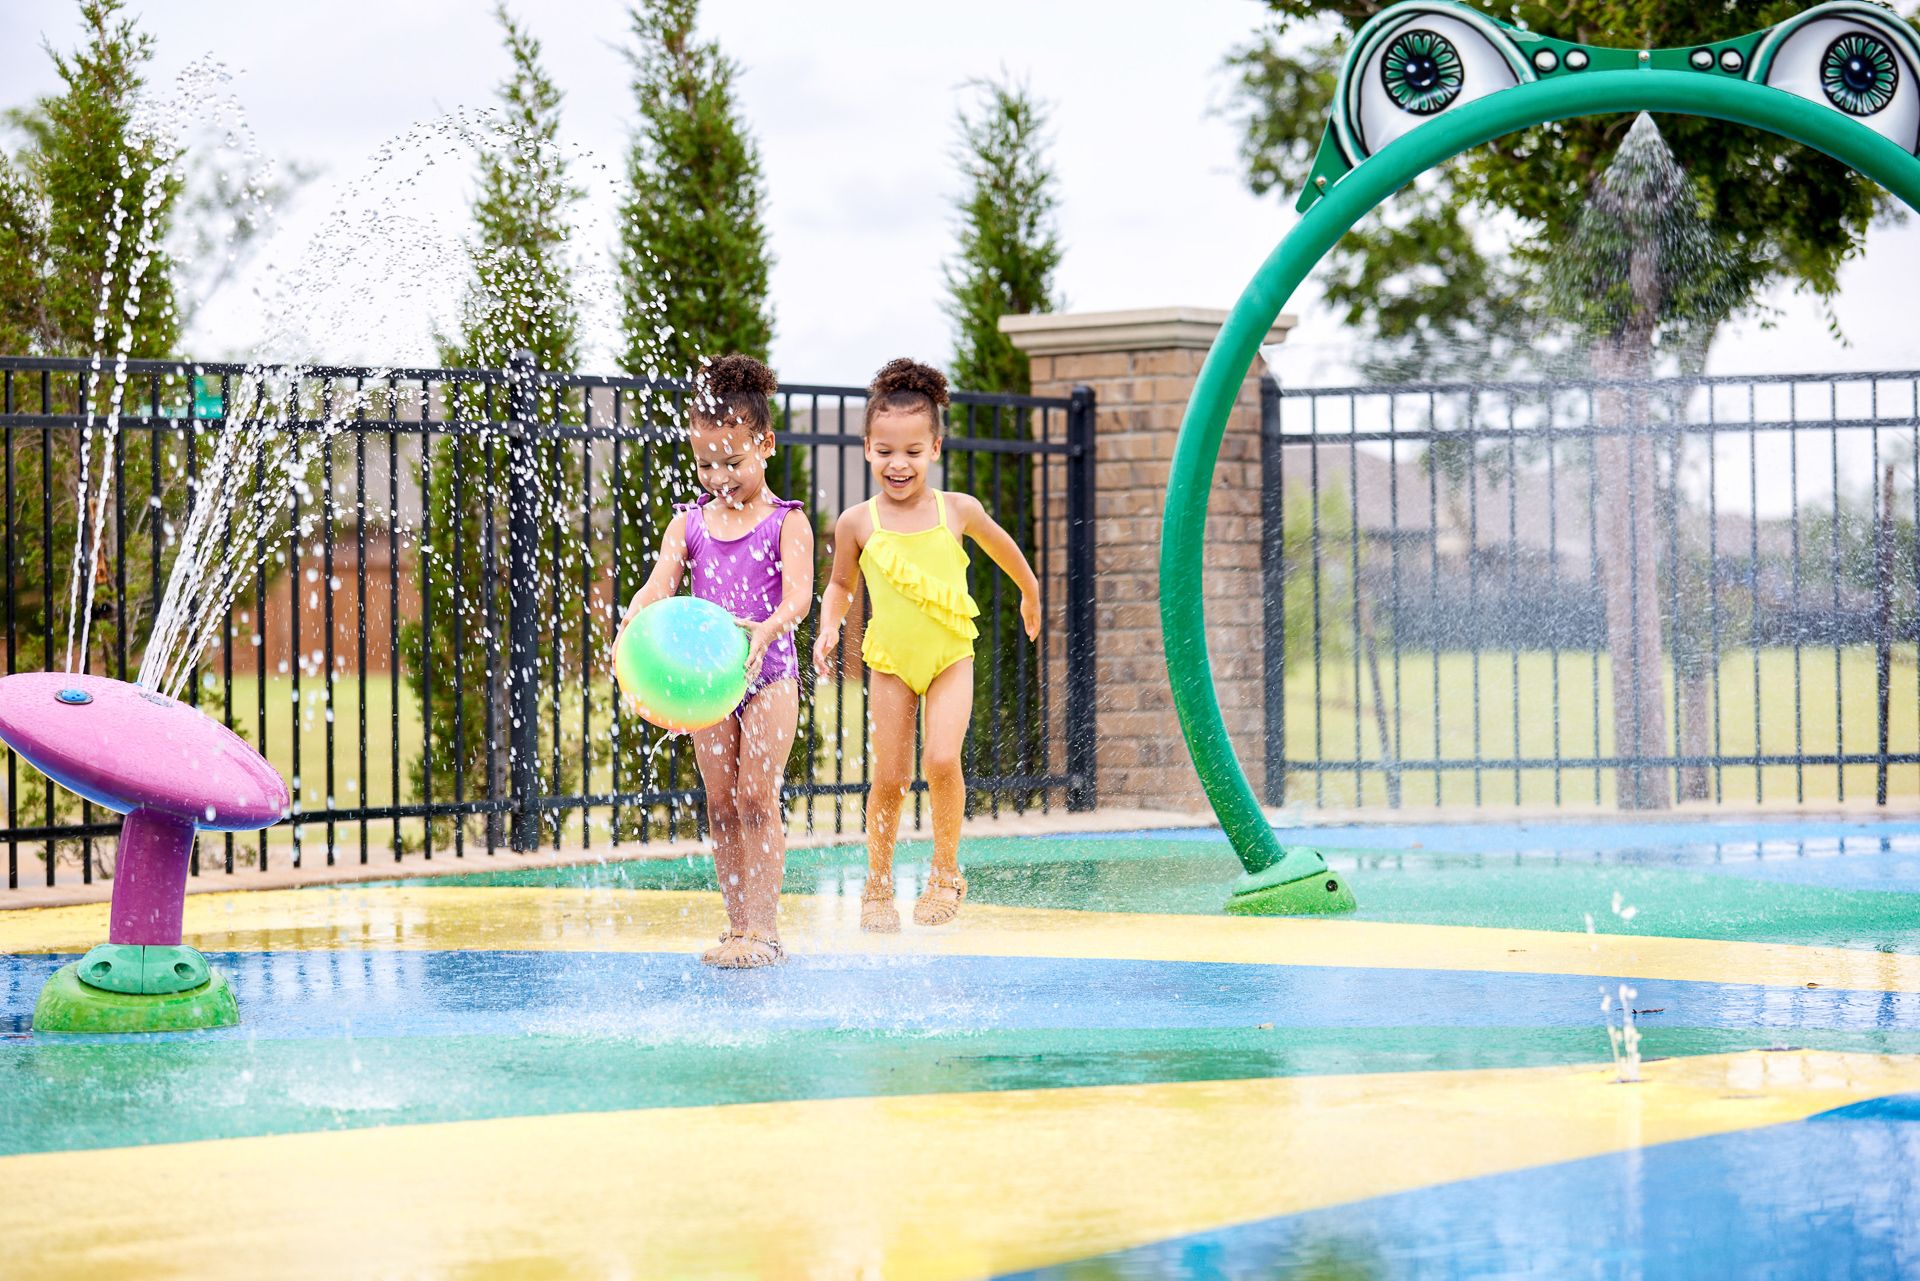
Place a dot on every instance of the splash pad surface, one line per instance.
(1095, 1074)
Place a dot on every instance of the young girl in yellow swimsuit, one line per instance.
(918, 645)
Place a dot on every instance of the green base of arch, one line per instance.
(1183, 533)
(1300, 884)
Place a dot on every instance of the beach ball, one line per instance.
(682, 663)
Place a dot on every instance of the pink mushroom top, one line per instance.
(129, 748)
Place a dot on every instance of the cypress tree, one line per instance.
(1008, 253)
(693, 246)
(520, 297)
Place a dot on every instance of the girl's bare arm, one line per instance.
(796, 588)
(999, 545)
(668, 570)
(849, 536)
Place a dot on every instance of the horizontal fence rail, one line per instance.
(1593, 592)
(422, 641)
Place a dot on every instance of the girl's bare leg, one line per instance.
(766, 739)
(949, 709)
(891, 706)
(716, 750)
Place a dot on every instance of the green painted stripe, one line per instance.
(185, 1090)
(1146, 874)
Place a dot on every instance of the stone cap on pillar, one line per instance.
(1148, 329)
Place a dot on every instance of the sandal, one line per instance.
(747, 951)
(712, 955)
(940, 901)
(878, 915)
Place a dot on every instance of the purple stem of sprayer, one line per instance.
(150, 879)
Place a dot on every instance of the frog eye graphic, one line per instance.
(1421, 71)
(1860, 73)
(1855, 58)
(1414, 62)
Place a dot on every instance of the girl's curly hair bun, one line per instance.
(910, 376)
(905, 386)
(734, 375)
(735, 386)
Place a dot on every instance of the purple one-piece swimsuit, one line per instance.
(742, 576)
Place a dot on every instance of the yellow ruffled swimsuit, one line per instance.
(922, 619)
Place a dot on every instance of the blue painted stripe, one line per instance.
(668, 995)
(1835, 1197)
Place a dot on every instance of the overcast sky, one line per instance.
(853, 105)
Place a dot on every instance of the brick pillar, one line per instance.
(1142, 366)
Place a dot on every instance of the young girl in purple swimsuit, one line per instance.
(751, 553)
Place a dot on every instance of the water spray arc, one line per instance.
(1423, 82)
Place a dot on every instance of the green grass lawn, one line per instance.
(1569, 720)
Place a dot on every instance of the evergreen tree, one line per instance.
(693, 247)
(520, 298)
(108, 190)
(84, 212)
(694, 279)
(1008, 253)
(84, 216)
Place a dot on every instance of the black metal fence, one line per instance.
(1593, 592)
(337, 655)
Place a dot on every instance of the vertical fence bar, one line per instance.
(1553, 578)
(360, 606)
(13, 645)
(1361, 645)
(1883, 603)
(1593, 584)
(616, 489)
(326, 595)
(1793, 496)
(454, 398)
(586, 610)
(393, 604)
(1834, 624)
(523, 601)
(1753, 581)
(1513, 584)
(1273, 590)
(1473, 577)
(46, 579)
(1398, 743)
(490, 596)
(1433, 584)
(1713, 588)
(423, 554)
(1082, 682)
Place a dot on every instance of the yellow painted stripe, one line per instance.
(931, 1186)
(608, 920)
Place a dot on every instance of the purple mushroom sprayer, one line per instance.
(173, 771)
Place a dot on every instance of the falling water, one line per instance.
(258, 473)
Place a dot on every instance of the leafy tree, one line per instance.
(1434, 296)
(1008, 253)
(520, 298)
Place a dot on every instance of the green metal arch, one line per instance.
(1183, 533)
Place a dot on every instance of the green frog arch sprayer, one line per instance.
(1423, 82)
